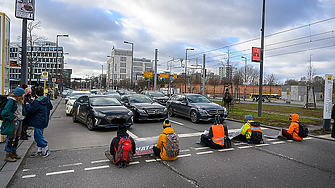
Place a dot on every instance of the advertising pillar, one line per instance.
(327, 109)
(4, 56)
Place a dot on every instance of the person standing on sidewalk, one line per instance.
(39, 112)
(25, 124)
(13, 114)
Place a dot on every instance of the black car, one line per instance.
(157, 97)
(101, 111)
(194, 106)
(144, 108)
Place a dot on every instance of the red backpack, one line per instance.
(123, 153)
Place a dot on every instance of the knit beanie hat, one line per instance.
(19, 91)
(166, 123)
(248, 117)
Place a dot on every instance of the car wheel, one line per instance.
(89, 123)
(194, 116)
(74, 118)
(170, 112)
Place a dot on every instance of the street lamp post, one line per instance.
(56, 68)
(108, 72)
(245, 74)
(186, 68)
(132, 62)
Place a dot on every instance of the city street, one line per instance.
(77, 160)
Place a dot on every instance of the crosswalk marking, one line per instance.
(244, 147)
(97, 167)
(100, 161)
(279, 142)
(29, 176)
(185, 155)
(59, 172)
(205, 152)
(228, 149)
(201, 148)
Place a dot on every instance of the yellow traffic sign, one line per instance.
(175, 76)
(147, 74)
(164, 75)
(53, 79)
(44, 75)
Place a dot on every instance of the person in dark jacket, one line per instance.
(39, 112)
(13, 114)
(122, 132)
(25, 124)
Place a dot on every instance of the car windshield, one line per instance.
(77, 95)
(104, 101)
(157, 94)
(130, 92)
(198, 99)
(140, 99)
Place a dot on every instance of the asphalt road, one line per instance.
(77, 160)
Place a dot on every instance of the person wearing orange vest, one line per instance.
(292, 132)
(216, 136)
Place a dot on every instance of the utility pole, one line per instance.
(261, 65)
(204, 75)
(155, 72)
(102, 72)
(24, 67)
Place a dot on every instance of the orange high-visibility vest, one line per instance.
(218, 134)
(253, 128)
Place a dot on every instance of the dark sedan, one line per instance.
(144, 108)
(157, 97)
(194, 106)
(101, 111)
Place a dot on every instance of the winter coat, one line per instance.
(162, 143)
(39, 112)
(115, 142)
(294, 127)
(246, 127)
(8, 113)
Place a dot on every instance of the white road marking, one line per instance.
(259, 145)
(201, 148)
(141, 139)
(135, 162)
(279, 142)
(184, 150)
(205, 152)
(229, 149)
(29, 176)
(150, 160)
(97, 167)
(239, 143)
(132, 135)
(290, 140)
(25, 170)
(100, 161)
(138, 156)
(186, 155)
(176, 122)
(244, 147)
(59, 172)
(308, 138)
(74, 164)
(189, 134)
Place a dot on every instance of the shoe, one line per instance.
(28, 136)
(14, 155)
(9, 158)
(46, 154)
(37, 154)
(24, 138)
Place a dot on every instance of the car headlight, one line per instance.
(202, 111)
(165, 109)
(70, 104)
(141, 111)
(130, 113)
(225, 110)
(99, 114)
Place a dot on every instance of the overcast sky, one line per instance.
(211, 27)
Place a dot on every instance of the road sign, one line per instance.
(44, 75)
(175, 76)
(53, 79)
(110, 80)
(164, 75)
(147, 74)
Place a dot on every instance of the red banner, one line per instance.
(255, 54)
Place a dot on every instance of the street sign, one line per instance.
(44, 75)
(110, 80)
(147, 74)
(53, 79)
(164, 75)
(25, 9)
(175, 76)
(255, 54)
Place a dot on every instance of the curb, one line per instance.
(277, 128)
(9, 169)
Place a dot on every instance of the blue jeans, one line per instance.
(13, 141)
(39, 138)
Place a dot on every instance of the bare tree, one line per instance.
(214, 80)
(271, 79)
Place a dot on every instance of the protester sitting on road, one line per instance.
(217, 135)
(242, 136)
(293, 130)
(168, 143)
(114, 154)
(39, 112)
(13, 114)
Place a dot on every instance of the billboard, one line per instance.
(4, 53)
(256, 54)
(25, 9)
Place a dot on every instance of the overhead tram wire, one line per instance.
(280, 32)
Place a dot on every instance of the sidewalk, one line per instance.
(8, 169)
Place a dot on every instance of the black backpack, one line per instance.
(3, 102)
(303, 130)
(256, 136)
